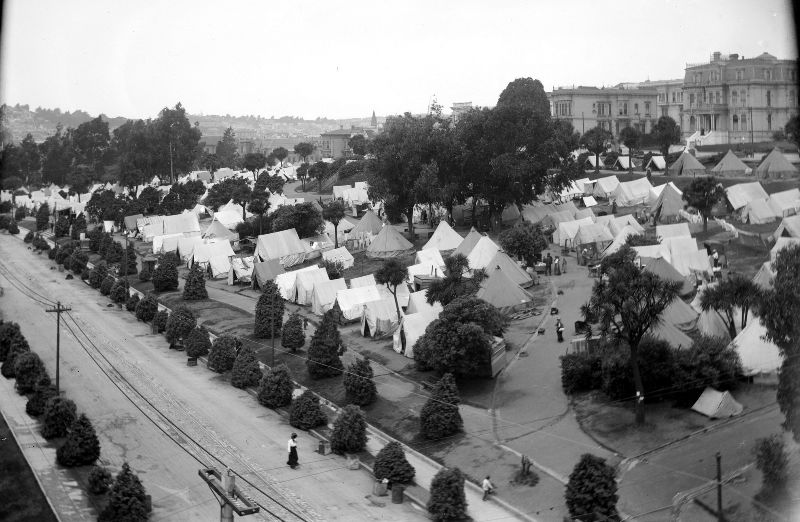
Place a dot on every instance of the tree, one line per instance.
(304, 149)
(319, 171)
(626, 304)
(90, 142)
(59, 414)
(43, 392)
(292, 334)
(792, 129)
(359, 384)
(165, 277)
(129, 261)
(391, 463)
(28, 371)
(57, 156)
(42, 217)
(149, 197)
(304, 218)
(334, 212)
(665, 133)
(147, 308)
(195, 287)
(223, 353)
(119, 291)
(79, 181)
(323, 351)
(17, 346)
(773, 462)
(597, 140)
(10, 335)
(229, 189)
(440, 416)
(227, 150)
(392, 274)
(451, 344)
(349, 431)
(306, 412)
(246, 371)
(98, 275)
(132, 302)
(592, 490)
(703, 194)
(30, 158)
(303, 173)
(455, 284)
(82, 446)
(631, 138)
(254, 161)
(447, 500)
(711, 361)
(180, 324)
(266, 182)
(276, 387)
(269, 312)
(358, 144)
(524, 240)
(127, 501)
(160, 320)
(100, 480)
(280, 154)
(259, 206)
(198, 343)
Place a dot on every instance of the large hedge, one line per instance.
(98, 275)
(17, 346)
(391, 463)
(82, 446)
(198, 344)
(269, 312)
(447, 500)
(306, 412)
(100, 480)
(440, 416)
(119, 291)
(37, 402)
(195, 287)
(132, 303)
(146, 308)
(59, 414)
(180, 324)
(223, 353)
(127, 499)
(246, 371)
(292, 334)
(165, 277)
(130, 257)
(9, 333)
(349, 431)
(592, 490)
(359, 384)
(160, 320)
(107, 285)
(324, 349)
(276, 387)
(28, 370)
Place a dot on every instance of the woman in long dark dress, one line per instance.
(292, 447)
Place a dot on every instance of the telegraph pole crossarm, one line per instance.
(58, 309)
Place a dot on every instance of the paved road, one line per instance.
(223, 420)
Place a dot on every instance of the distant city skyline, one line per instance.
(310, 60)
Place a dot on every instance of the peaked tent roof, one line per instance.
(444, 238)
(592, 233)
(675, 230)
(669, 202)
(417, 302)
(412, 327)
(758, 355)
(501, 292)
(656, 163)
(620, 239)
(469, 242)
(784, 203)
(501, 261)
(664, 269)
(284, 245)
(287, 280)
(266, 271)
(485, 249)
(765, 278)
(758, 212)
(775, 166)
(429, 256)
(380, 317)
(130, 221)
(324, 295)
(630, 193)
(352, 300)
(620, 222)
(686, 165)
(367, 280)
(305, 282)
(341, 255)
(741, 194)
(389, 243)
(584, 213)
(218, 230)
(780, 244)
(369, 223)
(605, 186)
(789, 227)
(731, 165)
(717, 405)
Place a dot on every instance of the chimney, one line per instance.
(717, 55)
(734, 56)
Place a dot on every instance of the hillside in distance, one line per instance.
(19, 120)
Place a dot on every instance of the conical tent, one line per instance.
(775, 166)
(731, 165)
(501, 261)
(686, 165)
(758, 355)
(483, 253)
(469, 242)
(389, 243)
(369, 224)
(266, 271)
(444, 238)
(502, 293)
(668, 204)
(217, 230)
(379, 318)
(664, 269)
(717, 405)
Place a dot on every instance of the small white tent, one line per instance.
(429, 256)
(444, 238)
(605, 187)
(287, 280)
(630, 193)
(758, 355)
(214, 257)
(423, 269)
(367, 280)
(674, 230)
(352, 301)
(418, 302)
(341, 255)
(379, 318)
(717, 405)
(412, 327)
(482, 253)
(324, 295)
(304, 285)
(284, 246)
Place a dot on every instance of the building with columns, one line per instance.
(612, 108)
(731, 99)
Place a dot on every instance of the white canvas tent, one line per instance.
(218, 230)
(284, 246)
(429, 256)
(620, 222)
(501, 261)
(731, 165)
(469, 242)
(444, 238)
(229, 217)
(789, 227)
(501, 292)
(656, 163)
(758, 355)
(264, 271)
(412, 327)
(304, 285)
(352, 301)
(379, 318)
(241, 270)
(186, 224)
(743, 193)
(784, 203)
(389, 243)
(341, 255)
(287, 280)
(367, 280)
(759, 212)
(566, 231)
(717, 405)
(605, 187)
(423, 269)
(165, 243)
(630, 193)
(186, 246)
(324, 295)
(214, 257)
(417, 302)
(369, 225)
(776, 166)
(675, 230)
(593, 234)
(620, 239)
(482, 253)
(589, 201)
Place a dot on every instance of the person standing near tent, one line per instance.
(292, 448)
(563, 264)
(548, 264)
(715, 257)
(559, 330)
(557, 265)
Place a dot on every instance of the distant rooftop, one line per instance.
(720, 58)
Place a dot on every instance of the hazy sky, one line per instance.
(344, 59)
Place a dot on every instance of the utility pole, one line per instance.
(58, 309)
(720, 517)
(272, 328)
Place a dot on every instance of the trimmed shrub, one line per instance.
(28, 237)
(195, 287)
(358, 383)
(349, 431)
(19, 214)
(13, 228)
(145, 274)
(335, 269)
(59, 414)
(198, 343)
(95, 237)
(440, 416)
(447, 500)
(62, 254)
(43, 217)
(78, 226)
(269, 312)
(106, 244)
(17, 346)
(82, 446)
(276, 387)
(391, 463)
(146, 308)
(306, 412)
(126, 500)
(165, 277)
(132, 302)
(62, 227)
(37, 402)
(119, 291)
(223, 353)
(180, 324)
(107, 285)
(28, 370)
(160, 320)
(9, 333)
(128, 260)
(52, 253)
(100, 480)
(246, 372)
(580, 372)
(592, 490)
(772, 461)
(86, 274)
(655, 365)
(99, 274)
(78, 261)
(324, 349)
(292, 334)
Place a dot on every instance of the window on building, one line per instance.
(664, 111)
(769, 99)
(792, 99)
(647, 108)
(792, 75)
(673, 97)
(625, 109)
(743, 121)
(692, 123)
(691, 99)
(734, 98)
(705, 97)
(743, 96)
(769, 122)
(767, 74)
(735, 122)
(718, 97)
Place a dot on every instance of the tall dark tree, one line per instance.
(174, 138)
(728, 295)
(269, 312)
(448, 500)
(304, 149)
(391, 463)
(223, 353)
(703, 194)
(305, 218)
(254, 161)
(597, 140)
(324, 349)
(127, 500)
(303, 174)
(227, 149)
(334, 212)
(349, 431)
(665, 133)
(246, 371)
(195, 287)
(359, 384)
(82, 446)
(392, 274)
(280, 154)
(90, 142)
(235, 189)
(439, 416)
(524, 240)
(79, 180)
(292, 334)
(358, 144)
(631, 138)
(319, 171)
(276, 387)
(42, 217)
(592, 490)
(56, 152)
(626, 303)
(30, 159)
(792, 129)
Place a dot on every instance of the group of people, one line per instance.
(557, 264)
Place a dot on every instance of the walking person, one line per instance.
(560, 330)
(557, 265)
(488, 487)
(548, 264)
(292, 447)
(563, 264)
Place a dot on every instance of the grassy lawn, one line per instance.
(23, 501)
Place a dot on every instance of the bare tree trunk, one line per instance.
(397, 306)
(637, 381)
(336, 235)
(597, 163)
(410, 217)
